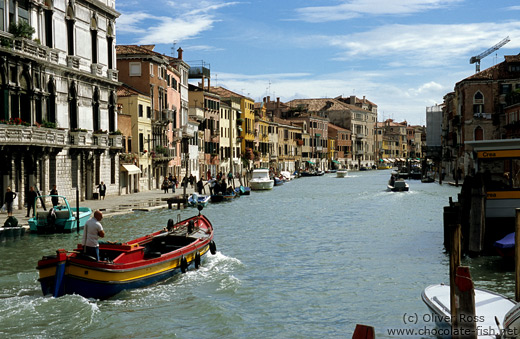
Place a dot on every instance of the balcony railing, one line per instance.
(115, 141)
(196, 113)
(482, 116)
(32, 135)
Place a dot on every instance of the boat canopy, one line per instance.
(335, 161)
(310, 162)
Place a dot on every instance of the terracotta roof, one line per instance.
(226, 93)
(337, 128)
(125, 91)
(324, 104)
(136, 49)
(498, 71)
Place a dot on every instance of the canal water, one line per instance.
(311, 258)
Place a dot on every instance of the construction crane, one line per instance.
(476, 59)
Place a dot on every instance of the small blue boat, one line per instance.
(58, 219)
(243, 190)
(278, 181)
(506, 246)
(198, 200)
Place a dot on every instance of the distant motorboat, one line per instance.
(198, 200)
(341, 173)
(398, 185)
(287, 175)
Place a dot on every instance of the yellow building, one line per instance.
(138, 106)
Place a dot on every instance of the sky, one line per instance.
(402, 55)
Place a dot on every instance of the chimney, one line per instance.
(264, 100)
(364, 100)
(179, 53)
(268, 99)
(352, 99)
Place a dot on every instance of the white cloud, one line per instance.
(188, 20)
(425, 45)
(355, 8)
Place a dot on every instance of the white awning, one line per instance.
(131, 169)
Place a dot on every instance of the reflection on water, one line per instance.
(310, 258)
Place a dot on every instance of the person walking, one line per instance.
(200, 185)
(92, 232)
(9, 199)
(55, 200)
(102, 190)
(165, 185)
(31, 201)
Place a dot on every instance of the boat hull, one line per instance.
(261, 185)
(341, 174)
(138, 263)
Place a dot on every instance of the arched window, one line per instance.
(49, 27)
(96, 123)
(70, 29)
(73, 106)
(112, 102)
(25, 98)
(94, 39)
(479, 133)
(110, 45)
(478, 103)
(51, 101)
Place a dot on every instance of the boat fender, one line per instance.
(170, 224)
(184, 265)
(197, 260)
(213, 247)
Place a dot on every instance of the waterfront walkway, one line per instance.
(118, 204)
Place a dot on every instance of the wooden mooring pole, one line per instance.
(464, 325)
(517, 255)
(454, 264)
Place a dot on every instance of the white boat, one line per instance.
(287, 175)
(341, 173)
(488, 305)
(261, 180)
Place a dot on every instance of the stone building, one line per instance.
(58, 100)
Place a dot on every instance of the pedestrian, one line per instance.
(55, 200)
(175, 181)
(31, 201)
(165, 185)
(200, 185)
(192, 180)
(102, 189)
(208, 175)
(92, 232)
(9, 199)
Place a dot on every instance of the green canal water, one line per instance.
(309, 259)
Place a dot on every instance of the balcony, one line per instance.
(115, 141)
(360, 135)
(113, 74)
(100, 139)
(486, 116)
(177, 134)
(73, 61)
(96, 69)
(196, 113)
(32, 135)
(188, 131)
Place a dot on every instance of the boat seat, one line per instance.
(62, 214)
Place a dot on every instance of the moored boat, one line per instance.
(198, 200)
(243, 190)
(226, 196)
(133, 264)
(488, 305)
(278, 181)
(261, 180)
(60, 218)
(506, 246)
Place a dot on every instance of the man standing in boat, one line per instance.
(92, 232)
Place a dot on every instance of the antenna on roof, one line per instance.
(173, 47)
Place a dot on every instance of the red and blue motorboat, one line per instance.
(133, 264)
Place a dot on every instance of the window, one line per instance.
(140, 111)
(135, 69)
(94, 46)
(148, 112)
(151, 69)
(141, 142)
(23, 10)
(2, 9)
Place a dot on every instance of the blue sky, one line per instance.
(403, 55)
